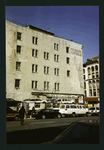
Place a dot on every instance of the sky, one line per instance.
(79, 23)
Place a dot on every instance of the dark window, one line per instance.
(17, 83)
(34, 40)
(92, 68)
(83, 70)
(67, 60)
(67, 49)
(96, 67)
(19, 36)
(94, 92)
(18, 49)
(32, 84)
(68, 73)
(18, 65)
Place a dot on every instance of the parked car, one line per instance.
(11, 114)
(47, 113)
(94, 111)
(86, 132)
(73, 110)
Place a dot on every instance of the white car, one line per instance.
(73, 110)
(94, 111)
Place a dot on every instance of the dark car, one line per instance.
(79, 133)
(47, 113)
(12, 114)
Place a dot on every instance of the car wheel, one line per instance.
(73, 115)
(59, 116)
(16, 118)
(43, 116)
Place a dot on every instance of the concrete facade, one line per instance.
(61, 71)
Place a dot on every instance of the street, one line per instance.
(37, 131)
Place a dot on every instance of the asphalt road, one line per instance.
(37, 131)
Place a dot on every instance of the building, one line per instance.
(40, 64)
(91, 81)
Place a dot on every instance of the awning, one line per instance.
(91, 99)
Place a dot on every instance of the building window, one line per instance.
(97, 92)
(90, 84)
(97, 75)
(83, 70)
(92, 68)
(89, 70)
(96, 67)
(19, 35)
(18, 65)
(90, 92)
(18, 49)
(97, 82)
(93, 75)
(68, 73)
(84, 85)
(46, 70)
(56, 71)
(67, 60)
(89, 76)
(34, 84)
(94, 92)
(84, 77)
(34, 68)
(85, 94)
(17, 83)
(46, 85)
(34, 53)
(46, 56)
(94, 84)
(56, 58)
(55, 46)
(56, 86)
(34, 40)
(67, 49)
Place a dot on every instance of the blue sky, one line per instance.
(80, 23)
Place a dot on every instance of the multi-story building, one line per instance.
(91, 81)
(40, 64)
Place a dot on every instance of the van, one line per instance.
(73, 110)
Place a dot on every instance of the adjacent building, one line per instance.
(91, 81)
(42, 65)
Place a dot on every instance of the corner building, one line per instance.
(42, 65)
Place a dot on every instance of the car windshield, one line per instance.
(92, 108)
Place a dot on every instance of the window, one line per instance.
(90, 92)
(97, 75)
(90, 84)
(97, 92)
(97, 82)
(92, 68)
(46, 85)
(55, 46)
(34, 68)
(46, 56)
(89, 70)
(96, 67)
(89, 76)
(34, 84)
(84, 85)
(17, 83)
(34, 40)
(34, 53)
(56, 71)
(18, 65)
(94, 84)
(56, 86)
(93, 75)
(84, 77)
(94, 92)
(46, 70)
(18, 49)
(19, 36)
(85, 93)
(56, 58)
(83, 70)
(68, 73)
(67, 60)
(67, 49)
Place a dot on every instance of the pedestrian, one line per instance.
(33, 111)
(21, 114)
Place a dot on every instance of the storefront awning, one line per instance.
(91, 99)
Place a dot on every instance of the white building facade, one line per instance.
(39, 64)
(91, 81)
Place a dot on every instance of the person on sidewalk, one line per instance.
(22, 114)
